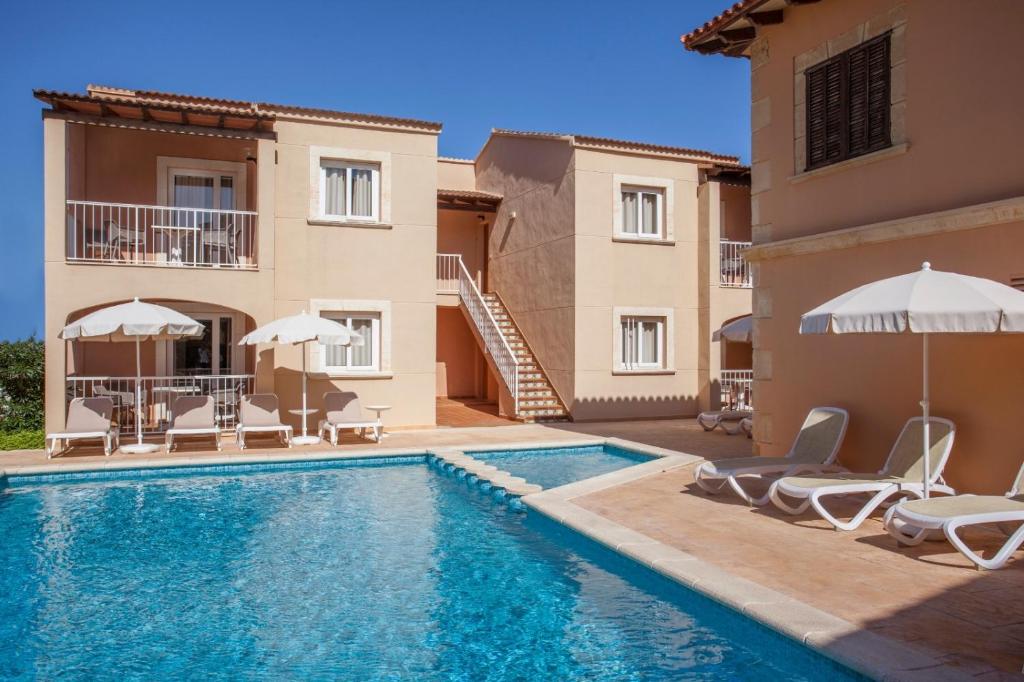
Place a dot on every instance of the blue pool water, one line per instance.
(390, 572)
(552, 467)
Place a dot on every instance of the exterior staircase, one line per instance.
(538, 401)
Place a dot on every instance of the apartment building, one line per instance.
(237, 213)
(884, 134)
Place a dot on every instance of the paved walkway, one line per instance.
(927, 596)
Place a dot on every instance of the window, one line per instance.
(349, 191)
(641, 213)
(643, 342)
(363, 357)
(848, 104)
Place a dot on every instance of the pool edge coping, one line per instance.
(868, 653)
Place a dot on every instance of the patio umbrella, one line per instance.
(924, 302)
(134, 321)
(303, 328)
(739, 330)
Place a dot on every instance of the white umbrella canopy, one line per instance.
(740, 330)
(133, 321)
(302, 328)
(923, 302)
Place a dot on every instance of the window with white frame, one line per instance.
(643, 342)
(642, 212)
(349, 191)
(356, 357)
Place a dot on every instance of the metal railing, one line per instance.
(159, 393)
(494, 341)
(135, 234)
(737, 386)
(448, 273)
(735, 272)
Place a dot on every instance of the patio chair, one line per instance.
(88, 418)
(910, 522)
(814, 451)
(343, 411)
(260, 414)
(902, 474)
(194, 415)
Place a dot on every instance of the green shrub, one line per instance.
(21, 386)
(22, 440)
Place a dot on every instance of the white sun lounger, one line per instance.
(814, 451)
(910, 522)
(729, 420)
(902, 475)
(260, 414)
(194, 415)
(88, 418)
(343, 411)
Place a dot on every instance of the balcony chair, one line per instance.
(194, 415)
(814, 451)
(901, 474)
(343, 411)
(260, 414)
(88, 418)
(223, 239)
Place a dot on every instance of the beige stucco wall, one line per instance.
(464, 233)
(391, 264)
(531, 256)
(961, 126)
(461, 368)
(456, 174)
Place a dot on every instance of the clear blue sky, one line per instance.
(601, 68)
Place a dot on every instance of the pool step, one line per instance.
(513, 485)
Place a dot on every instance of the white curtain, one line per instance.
(650, 213)
(629, 212)
(193, 191)
(362, 356)
(628, 342)
(362, 192)
(334, 191)
(648, 343)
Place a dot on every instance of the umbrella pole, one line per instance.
(303, 390)
(926, 442)
(138, 391)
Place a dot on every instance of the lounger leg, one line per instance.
(168, 442)
(776, 497)
(376, 432)
(51, 445)
(217, 436)
(902, 539)
(705, 485)
(1001, 557)
(853, 523)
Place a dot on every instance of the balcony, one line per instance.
(138, 234)
(735, 271)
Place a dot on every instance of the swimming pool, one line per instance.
(552, 467)
(385, 571)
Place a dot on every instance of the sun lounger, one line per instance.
(902, 474)
(729, 420)
(911, 521)
(88, 418)
(194, 415)
(814, 451)
(343, 411)
(260, 414)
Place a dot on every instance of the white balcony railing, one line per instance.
(448, 273)
(159, 393)
(494, 341)
(134, 234)
(737, 388)
(735, 270)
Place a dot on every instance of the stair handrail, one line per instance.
(490, 332)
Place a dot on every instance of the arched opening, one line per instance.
(213, 364)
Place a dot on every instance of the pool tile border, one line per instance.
(866, 652)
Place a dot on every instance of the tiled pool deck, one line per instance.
(920, 613)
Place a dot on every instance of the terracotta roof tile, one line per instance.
(468, 194)
(629, 145)
(717, 22)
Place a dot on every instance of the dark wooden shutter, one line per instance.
(848, 104)
(868, 119)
